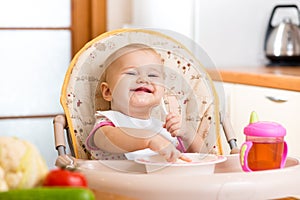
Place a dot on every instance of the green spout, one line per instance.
(253, 117)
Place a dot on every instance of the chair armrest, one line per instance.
(60, 124)
(229, 133)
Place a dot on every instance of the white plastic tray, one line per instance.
(227, 182)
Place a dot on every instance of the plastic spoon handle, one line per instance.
(181, 145)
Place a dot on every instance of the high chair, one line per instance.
(187, 84)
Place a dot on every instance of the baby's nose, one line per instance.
(143, 79)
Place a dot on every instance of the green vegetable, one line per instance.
(47, 193)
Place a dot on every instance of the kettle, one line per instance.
(282, 42)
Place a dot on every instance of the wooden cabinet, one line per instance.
(276, 105)
(88, 21)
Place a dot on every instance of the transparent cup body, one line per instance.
(265, 153)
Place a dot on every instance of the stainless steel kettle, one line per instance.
(282, 42)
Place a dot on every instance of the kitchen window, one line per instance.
(38, 40)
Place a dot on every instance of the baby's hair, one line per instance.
(125, 50)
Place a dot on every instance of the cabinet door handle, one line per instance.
(277, 99)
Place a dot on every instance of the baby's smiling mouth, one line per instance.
(142, 89)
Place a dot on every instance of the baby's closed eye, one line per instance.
(131, 73)
(153, 75)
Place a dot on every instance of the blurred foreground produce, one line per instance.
(45, 193)
(65, 177)
(21, 165)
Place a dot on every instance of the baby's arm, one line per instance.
(122, 140)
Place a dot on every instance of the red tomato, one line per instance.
(63, 177)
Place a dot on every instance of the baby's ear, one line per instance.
(106, 93)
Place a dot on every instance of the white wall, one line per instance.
(175, 15)
(119, 13)
(232, 32)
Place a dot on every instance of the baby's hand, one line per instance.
(170, 153)
(173, 125)
(165, 148)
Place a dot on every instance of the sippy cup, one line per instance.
(264, 148)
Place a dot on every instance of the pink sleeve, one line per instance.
(90, 139)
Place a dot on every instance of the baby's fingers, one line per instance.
(174, 130)
(173, 124)
(171, 116)
(171, 154)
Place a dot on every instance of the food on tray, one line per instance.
(21, 165)
(183, 159)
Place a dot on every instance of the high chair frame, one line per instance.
(228, 180)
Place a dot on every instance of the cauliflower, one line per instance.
(21, 165)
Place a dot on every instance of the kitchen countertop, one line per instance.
(287, 78)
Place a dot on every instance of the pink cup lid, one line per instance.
(265, 129)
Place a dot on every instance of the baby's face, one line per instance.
(136, 82)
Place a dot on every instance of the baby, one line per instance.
(133, 84)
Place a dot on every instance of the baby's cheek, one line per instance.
(160, 91)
